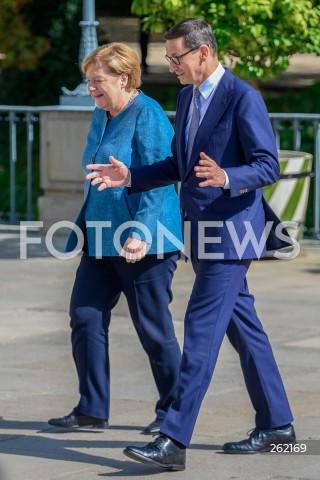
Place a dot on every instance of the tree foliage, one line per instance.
(256, 37)
(42, 56)
(18, 47)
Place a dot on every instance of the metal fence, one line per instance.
(11, 117)
(15, 115)
(297, 123)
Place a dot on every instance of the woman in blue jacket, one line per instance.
(124, 249)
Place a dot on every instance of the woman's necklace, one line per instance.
(133, 94)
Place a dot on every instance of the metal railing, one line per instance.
(13, 116)
(295, 122)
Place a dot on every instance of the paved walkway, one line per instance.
(38, 379)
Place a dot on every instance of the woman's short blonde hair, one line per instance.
(118, 58)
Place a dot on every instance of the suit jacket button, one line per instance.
(185, 184)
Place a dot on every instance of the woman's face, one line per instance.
(106, 88)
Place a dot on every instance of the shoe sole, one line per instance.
(149, 461)
(154, 432)
(249, 452)
(99, 426)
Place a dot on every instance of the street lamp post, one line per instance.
(88, 42)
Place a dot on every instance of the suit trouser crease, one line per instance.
(259, 368)
(97, 288)
(218, 288)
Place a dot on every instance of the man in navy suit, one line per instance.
(223, 153)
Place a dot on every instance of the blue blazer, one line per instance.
(140, 135)
(236, 132)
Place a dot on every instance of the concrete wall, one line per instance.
(62, 139)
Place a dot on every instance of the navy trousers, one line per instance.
(221, 303)
(147, 287)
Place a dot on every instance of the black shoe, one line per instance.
(75, 420)
(262, 440)
(162, 452)
(153, 428)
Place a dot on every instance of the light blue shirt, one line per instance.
(207, 90)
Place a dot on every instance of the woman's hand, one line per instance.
(114, 175)
(133, 250)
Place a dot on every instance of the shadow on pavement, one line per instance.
(66, 449)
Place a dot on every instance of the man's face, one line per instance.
(189, 70)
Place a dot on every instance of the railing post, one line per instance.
(13, 162)
(296, 134)
(316, 126)
(30, 137)
(276, 129)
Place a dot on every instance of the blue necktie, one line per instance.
(195, 120)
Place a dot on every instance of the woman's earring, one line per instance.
(123, 83)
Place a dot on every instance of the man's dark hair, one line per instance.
(196, 32)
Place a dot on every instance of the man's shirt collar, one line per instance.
(207, 87)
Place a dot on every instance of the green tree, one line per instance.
(255, 37)
(18, 47)
(44, 56)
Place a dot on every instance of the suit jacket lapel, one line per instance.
(217, 107)
(181, 120)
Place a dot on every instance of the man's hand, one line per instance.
(207, 168)
(114, 175)
(133, 250)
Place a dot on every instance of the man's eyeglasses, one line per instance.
(176, 60)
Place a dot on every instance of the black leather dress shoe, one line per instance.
(153, 428)
(262, 440)
(162, 452)
(75, 420)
